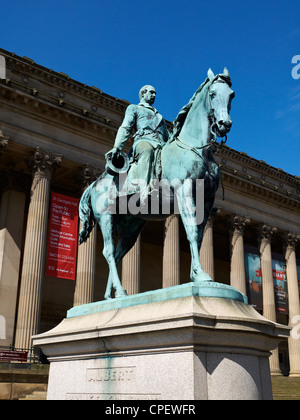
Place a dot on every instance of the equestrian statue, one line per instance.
(180, 159)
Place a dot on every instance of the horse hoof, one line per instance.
(200, 276)
(120, 293)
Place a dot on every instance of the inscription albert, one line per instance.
(111, 374)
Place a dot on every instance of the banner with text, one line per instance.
(280, 283)
(63, 232)
(254, 280)
(253, 277)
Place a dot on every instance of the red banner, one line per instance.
(63, 233)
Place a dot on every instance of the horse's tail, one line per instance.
(86, 215)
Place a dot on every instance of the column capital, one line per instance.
(87, 175)
(43, 164)
(237, 226)
(169, 220)
(265, 232)
(290, 241)
(239, 223)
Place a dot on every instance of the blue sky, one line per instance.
(120, 45)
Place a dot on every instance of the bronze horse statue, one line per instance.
(188, 155)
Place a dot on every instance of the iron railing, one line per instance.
(13, 354)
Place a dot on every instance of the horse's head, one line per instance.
(220, 96)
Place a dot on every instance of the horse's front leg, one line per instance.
(108, 291)
(194, 236)
(194, 227)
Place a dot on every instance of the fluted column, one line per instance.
(12, 211)
(269, 308)
(207, 249)
(237, 267)
(86, 257)
(171, 259)
(35, 247)
(131, 269)
(294, 303)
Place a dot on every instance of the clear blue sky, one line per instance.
(120, 45)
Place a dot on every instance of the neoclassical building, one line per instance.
(54, 133)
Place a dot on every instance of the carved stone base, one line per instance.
(189, 348)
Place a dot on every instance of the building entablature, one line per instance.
(258, 179)
(25, 71)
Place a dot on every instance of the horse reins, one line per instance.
(196, 150)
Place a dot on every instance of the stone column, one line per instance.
(42, 165)
(171, 257)
(86, 260)
(269, 308)
(131, 269)
(207, 249)
(11, 229)
(294, 303)
(237, 268)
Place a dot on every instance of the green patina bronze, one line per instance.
(185, 154)
(196, 289)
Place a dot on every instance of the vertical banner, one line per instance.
(63, 233)
(280, 283)
(253, 277)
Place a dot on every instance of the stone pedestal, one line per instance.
(172, 344)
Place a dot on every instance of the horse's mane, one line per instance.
(181, 117)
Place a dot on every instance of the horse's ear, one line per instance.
(226, 72)
(210, 74)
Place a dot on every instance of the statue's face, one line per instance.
(149, 95)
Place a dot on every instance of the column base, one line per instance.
(276, 373)
(183, 348)
(294, 375)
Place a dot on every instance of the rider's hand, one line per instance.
(112, 153)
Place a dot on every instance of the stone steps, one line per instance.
(285, 388)
(35, 396)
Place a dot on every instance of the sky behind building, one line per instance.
(118, 46)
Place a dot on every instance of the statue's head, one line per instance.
(147, 94)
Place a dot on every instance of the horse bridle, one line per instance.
(213, 127)
(212, 117)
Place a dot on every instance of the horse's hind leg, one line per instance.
(129, 229)
(106, 224)
(194, 233)
(128, 232)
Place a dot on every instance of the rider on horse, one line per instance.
(150, 136)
